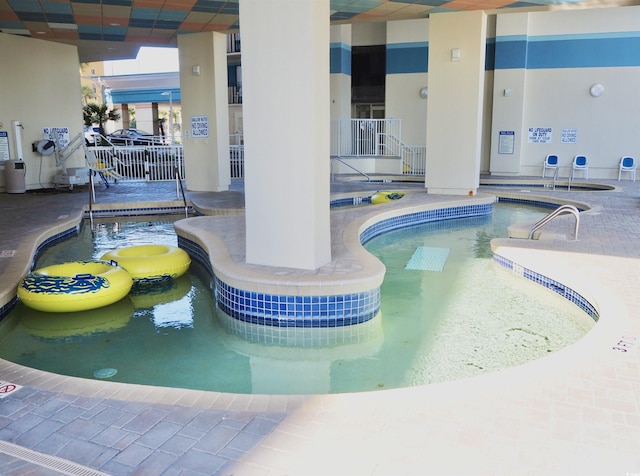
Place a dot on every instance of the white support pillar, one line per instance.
(285, 69)
(203, 98)
(509, 86)
(456, 93)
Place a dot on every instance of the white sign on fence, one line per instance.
(199, 126)
(540, 135)
(59, 135)
(569, 136)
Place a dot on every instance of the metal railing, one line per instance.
(413, 157)
(339, 159)
(180, 191)
(363, 137)
(563, 209)
(143, 163)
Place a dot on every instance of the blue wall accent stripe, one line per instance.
(407, 58)
(340, 58)
(601, 53)
(511, 54)
(596, 50)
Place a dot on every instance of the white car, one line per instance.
(91, 134)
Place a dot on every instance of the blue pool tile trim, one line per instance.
(557, 287)
(419, 218)
(534, 202)
(336, 310)
(286, 310)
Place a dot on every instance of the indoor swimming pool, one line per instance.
(448, 312)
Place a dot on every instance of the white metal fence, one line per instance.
(364, 137)
(349, 138)
(142, 164)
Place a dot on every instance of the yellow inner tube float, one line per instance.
(74, 286)
(151, 263)
(385, 197)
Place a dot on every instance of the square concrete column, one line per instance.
(205, 110)
(285, 70)
(456, 94)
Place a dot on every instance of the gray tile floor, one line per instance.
(57, 427)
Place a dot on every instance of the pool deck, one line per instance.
(576, 411)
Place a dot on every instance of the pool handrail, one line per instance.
(558, 211)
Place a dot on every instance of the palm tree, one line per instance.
(87, 94)
(99, 114)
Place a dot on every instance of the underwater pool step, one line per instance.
(427, 258)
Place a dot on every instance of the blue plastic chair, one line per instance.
(580, 163)
(627, 164)
(551, 163)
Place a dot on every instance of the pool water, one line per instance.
(469, 317)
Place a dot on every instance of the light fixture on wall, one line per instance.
(424, 92)
(596, 90)
(195, 70)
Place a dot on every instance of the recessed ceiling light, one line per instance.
(63, 26)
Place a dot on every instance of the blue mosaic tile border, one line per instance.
(325, 310)
(285, 310)
(419, 218)
(297, 311)
(549, 283)
(529, 201)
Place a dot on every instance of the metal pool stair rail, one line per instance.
(563, 209)
(339, 159)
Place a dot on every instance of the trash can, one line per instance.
(14, 176)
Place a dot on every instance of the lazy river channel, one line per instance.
(463, 317)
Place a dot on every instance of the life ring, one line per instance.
(151, 263)
(74, 286)
(385, 197)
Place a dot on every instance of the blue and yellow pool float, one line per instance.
(74, 286)
(151, 263)
(386, 197)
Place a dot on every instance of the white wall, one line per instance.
(607, 126)
(402, 91)
(40, 86)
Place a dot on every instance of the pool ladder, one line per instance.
(180, 191)
(563, 209)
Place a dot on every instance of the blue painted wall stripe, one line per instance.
(597, 50)
(340, 58)
(407, 58)
(601, 53)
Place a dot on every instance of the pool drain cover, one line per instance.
(105, 373)
(426, 258)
